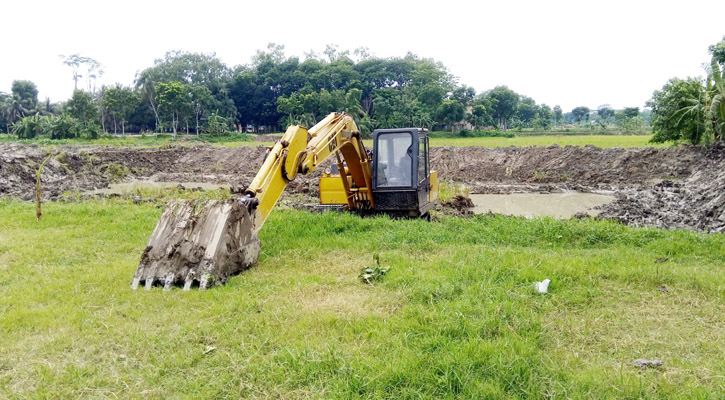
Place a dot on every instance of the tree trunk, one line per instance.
(156, 114)
(115, 126)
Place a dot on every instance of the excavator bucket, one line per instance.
(198, 242)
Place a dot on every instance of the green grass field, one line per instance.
(604, 141)
(455, 317)
(140, 141)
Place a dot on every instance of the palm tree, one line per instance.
(709, 108)
(147, 88)
(16, 108)
(716, 93)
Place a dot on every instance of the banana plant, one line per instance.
(716, 94)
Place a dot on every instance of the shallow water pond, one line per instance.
(557, 205)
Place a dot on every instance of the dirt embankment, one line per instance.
(680, 186)
(526, 169)
(675, 187)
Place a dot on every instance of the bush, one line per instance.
(28, 127)
(60, 127)
(217, 124)
(56, 127)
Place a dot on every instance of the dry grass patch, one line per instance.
(350, 300)
(682, 327)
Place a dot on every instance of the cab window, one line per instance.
(394, 160)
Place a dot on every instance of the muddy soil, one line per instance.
(676, 187)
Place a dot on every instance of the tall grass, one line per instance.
(456, 315)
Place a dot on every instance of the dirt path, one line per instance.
(677, 187)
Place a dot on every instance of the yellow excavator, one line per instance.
(205, 243)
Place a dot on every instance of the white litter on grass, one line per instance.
(543, 286)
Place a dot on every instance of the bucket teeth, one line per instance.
(204, 282)
(168, 282)
(189, 280)
(134, 284)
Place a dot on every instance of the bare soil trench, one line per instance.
(676, 187)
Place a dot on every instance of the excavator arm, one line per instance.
(300, 151)
(206, 243)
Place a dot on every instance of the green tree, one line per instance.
(120, 102)
(717, 51)
(527, 110)
(630, 112)
(605, 112)
(580, 114)
(557, 115)
(669, 122)
(147, 89)
(201, 101)
(687, 110)
(82, 107)
(715, 90)
(504, 102)
(464, 95)
(25, 97)
(192, 70)
(479, 116)
(450, 112)
(4, 115)
(174, 103)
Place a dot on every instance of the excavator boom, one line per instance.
(300, 151)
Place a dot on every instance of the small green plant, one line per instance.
(447, 190)
(540, 176)
(115, 172)
(38, 211)
(370, 274)
(217, 124)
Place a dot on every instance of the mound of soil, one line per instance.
(493, 170)
(696, 202)
(675, 187)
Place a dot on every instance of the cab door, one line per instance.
(423, 171)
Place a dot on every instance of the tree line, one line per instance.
(197, 92)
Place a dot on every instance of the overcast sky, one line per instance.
(569, 53)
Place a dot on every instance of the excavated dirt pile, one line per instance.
(696, 202)
(87, 168)
(675, 187)
(526, 169)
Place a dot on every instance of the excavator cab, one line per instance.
(402, 183)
